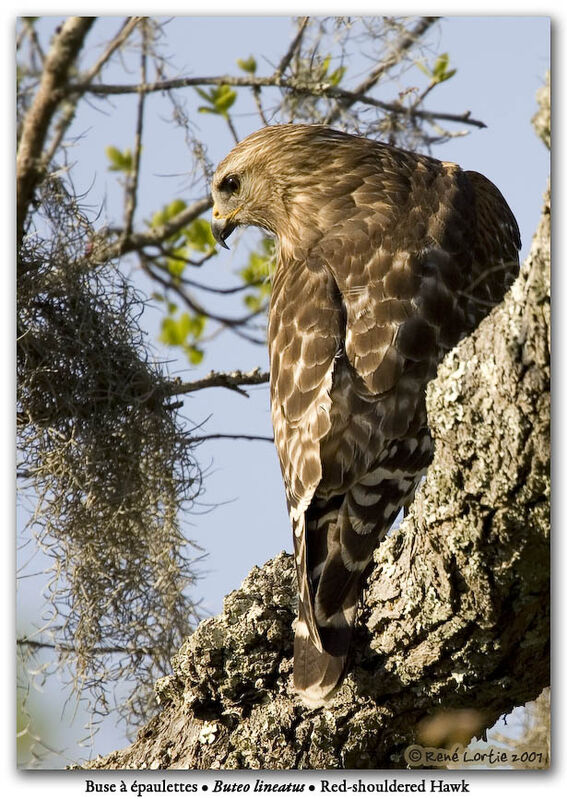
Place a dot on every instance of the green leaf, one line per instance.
(247, 64)
(196, 325)
(168, 212)
(256, 273)
(258, 266)
(205, 95)
(199, 236)
(175, 207)
(224, 99)
(176, 266)
(184, 332)
(440, 65)
(252, 302)
(184, 325)
(194, 354)
(174, 331)
(219, 99)
(119, 161)
(425, 69)
(440, 71)
(169, 333)
(336, 77)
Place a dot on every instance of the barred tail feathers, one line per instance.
(316, 674)
(322, 639)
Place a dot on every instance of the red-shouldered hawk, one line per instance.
(386, 259)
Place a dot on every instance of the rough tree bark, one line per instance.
(456, 611)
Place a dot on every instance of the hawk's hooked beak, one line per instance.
(221, 228)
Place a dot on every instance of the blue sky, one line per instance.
(500, 62)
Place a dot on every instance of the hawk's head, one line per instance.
(275, 179)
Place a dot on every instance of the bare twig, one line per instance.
(31, 643)
(399, 108)
(232, 129)
(295, 44)
(173, 256)
(195, 305)
(166, 85)
(243, 436)
(29, 29)
(23, 32)
(229, 290)
(396, 55)
(196, 284)
(231, 380)
(133, 177)
(257, 92)
(393, 58)
(122, 35)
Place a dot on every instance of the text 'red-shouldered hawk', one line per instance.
(385, 260)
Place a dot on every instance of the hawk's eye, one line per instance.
(230, 184)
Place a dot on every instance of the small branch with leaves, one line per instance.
(314, 89)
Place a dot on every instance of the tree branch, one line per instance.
(68, 114)
(233, 436)
(35, 645)
(316, 90)
(231, 380)
(292, 49)
(133, 178)
(65, 48)
(393, 58)
(232, 323)
(104, 250)
(257, 92)
(123, 34)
